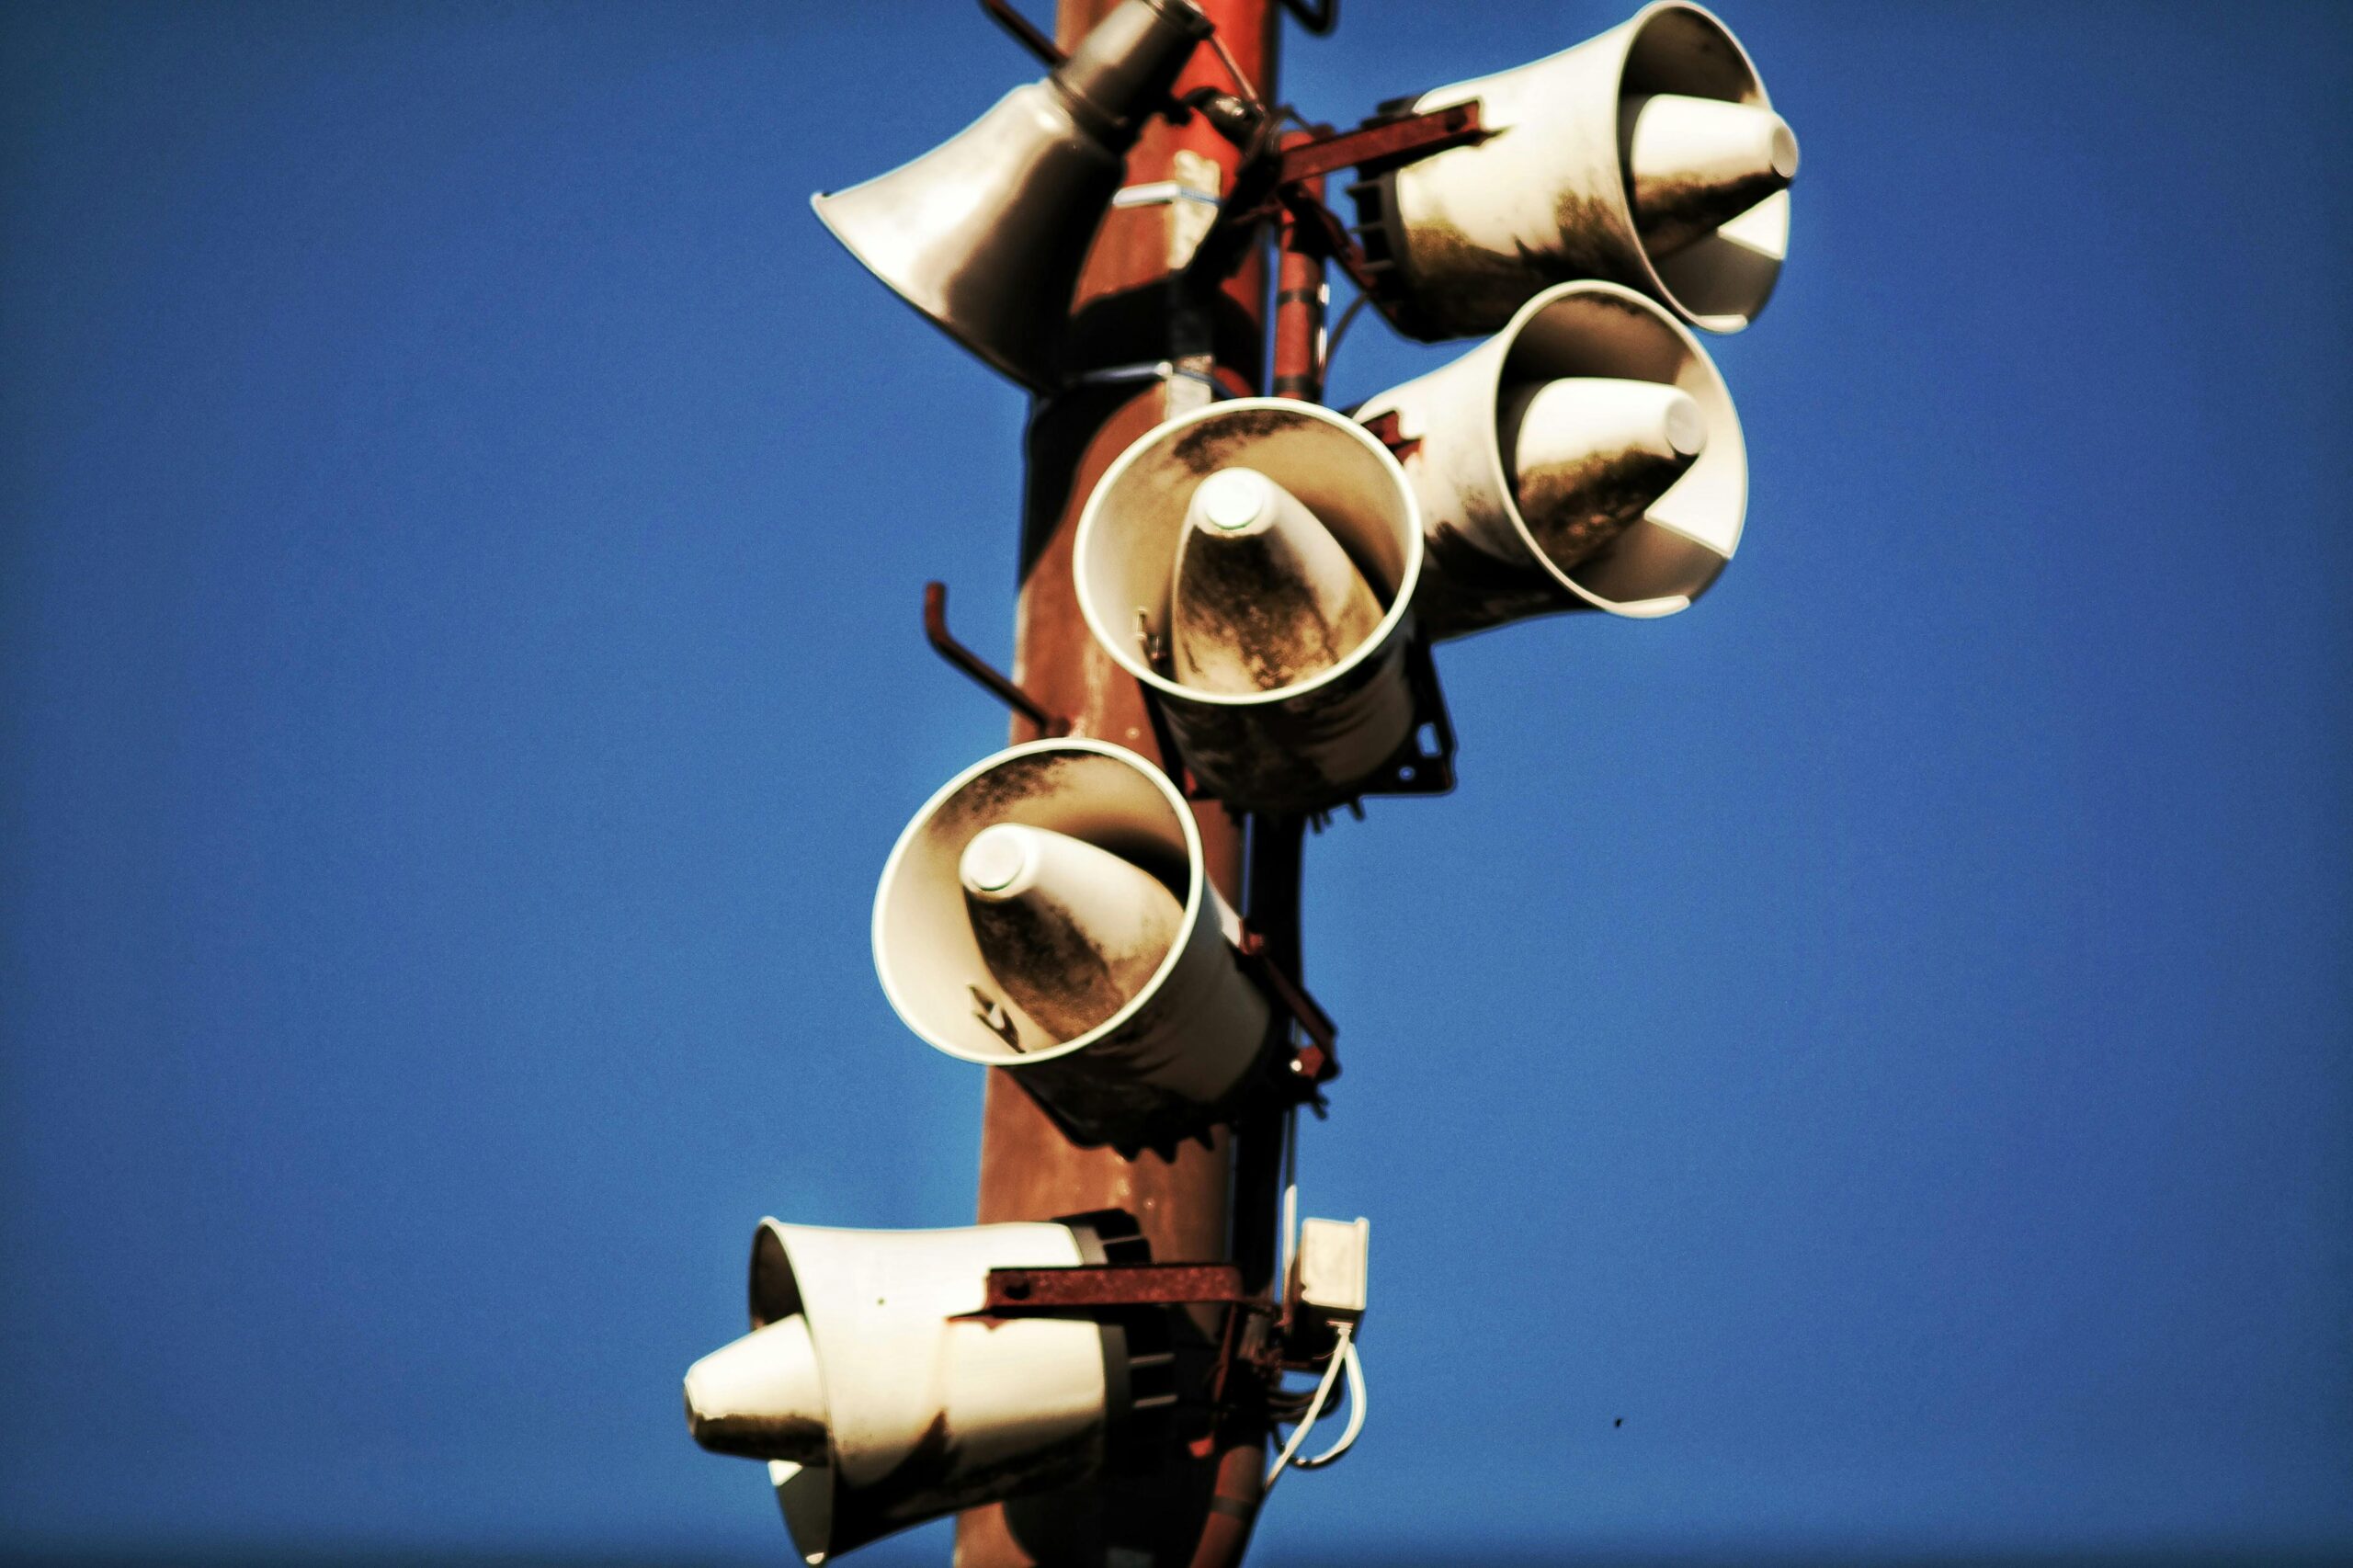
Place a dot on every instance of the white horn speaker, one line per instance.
(1648, 157)
(1586, 457)
(877, 1403)
(986, 233)
(1253, 563)
(1048, 912)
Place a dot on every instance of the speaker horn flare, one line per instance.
(986, 233)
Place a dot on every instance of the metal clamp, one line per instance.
(1155, 193)
(1149, 370)
(1419, 769)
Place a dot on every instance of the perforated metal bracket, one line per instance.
(1085, 1290)
(1425, 764)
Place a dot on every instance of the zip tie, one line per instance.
(1158, 192)
(1147, 371)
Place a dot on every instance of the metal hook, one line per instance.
(935, 631)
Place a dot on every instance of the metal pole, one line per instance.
(1215, 1199)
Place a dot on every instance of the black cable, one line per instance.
(1319, 19)
(1332, 338)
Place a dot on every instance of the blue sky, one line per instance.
(1883, 1035)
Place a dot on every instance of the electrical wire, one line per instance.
(1314, 1410)
(1332, 338)
(1305, 1408)
(1356, 1406)
(1344, 1357)
(1290, 1195)
(1319, 20)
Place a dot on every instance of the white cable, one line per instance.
(1291, 1195)
(1348, 1350)
(1343, 1355)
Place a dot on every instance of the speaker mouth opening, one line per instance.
(1005, 303)
(1721, 282)
(925, 949)
(776, 1290)
(1129, 533)
(1667, 558)
(805, 1492)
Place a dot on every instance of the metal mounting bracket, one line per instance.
(1419, 769)
(1318, 1061)
(1280, 180)
(1083, 1289)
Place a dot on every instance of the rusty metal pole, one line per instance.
(1215, 1199)
(1298, 304)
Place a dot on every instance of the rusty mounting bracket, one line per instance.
(1278, 179)
(1083, 1289)
(935, 632)
(1251, 1342)
(1384, 429)
(1381, 145)
(1314, 1063)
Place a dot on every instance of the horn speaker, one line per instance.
(1253, 563)
(986, 233)
(877, 1403)
(1586, 457)
(1648, 157)
(1048, 912)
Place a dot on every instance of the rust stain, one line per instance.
(1671, 213)
(1575, 513)
(989, 796)
(1217, 443)
(794, 1437)
(1246, 603)
(1055, 970)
